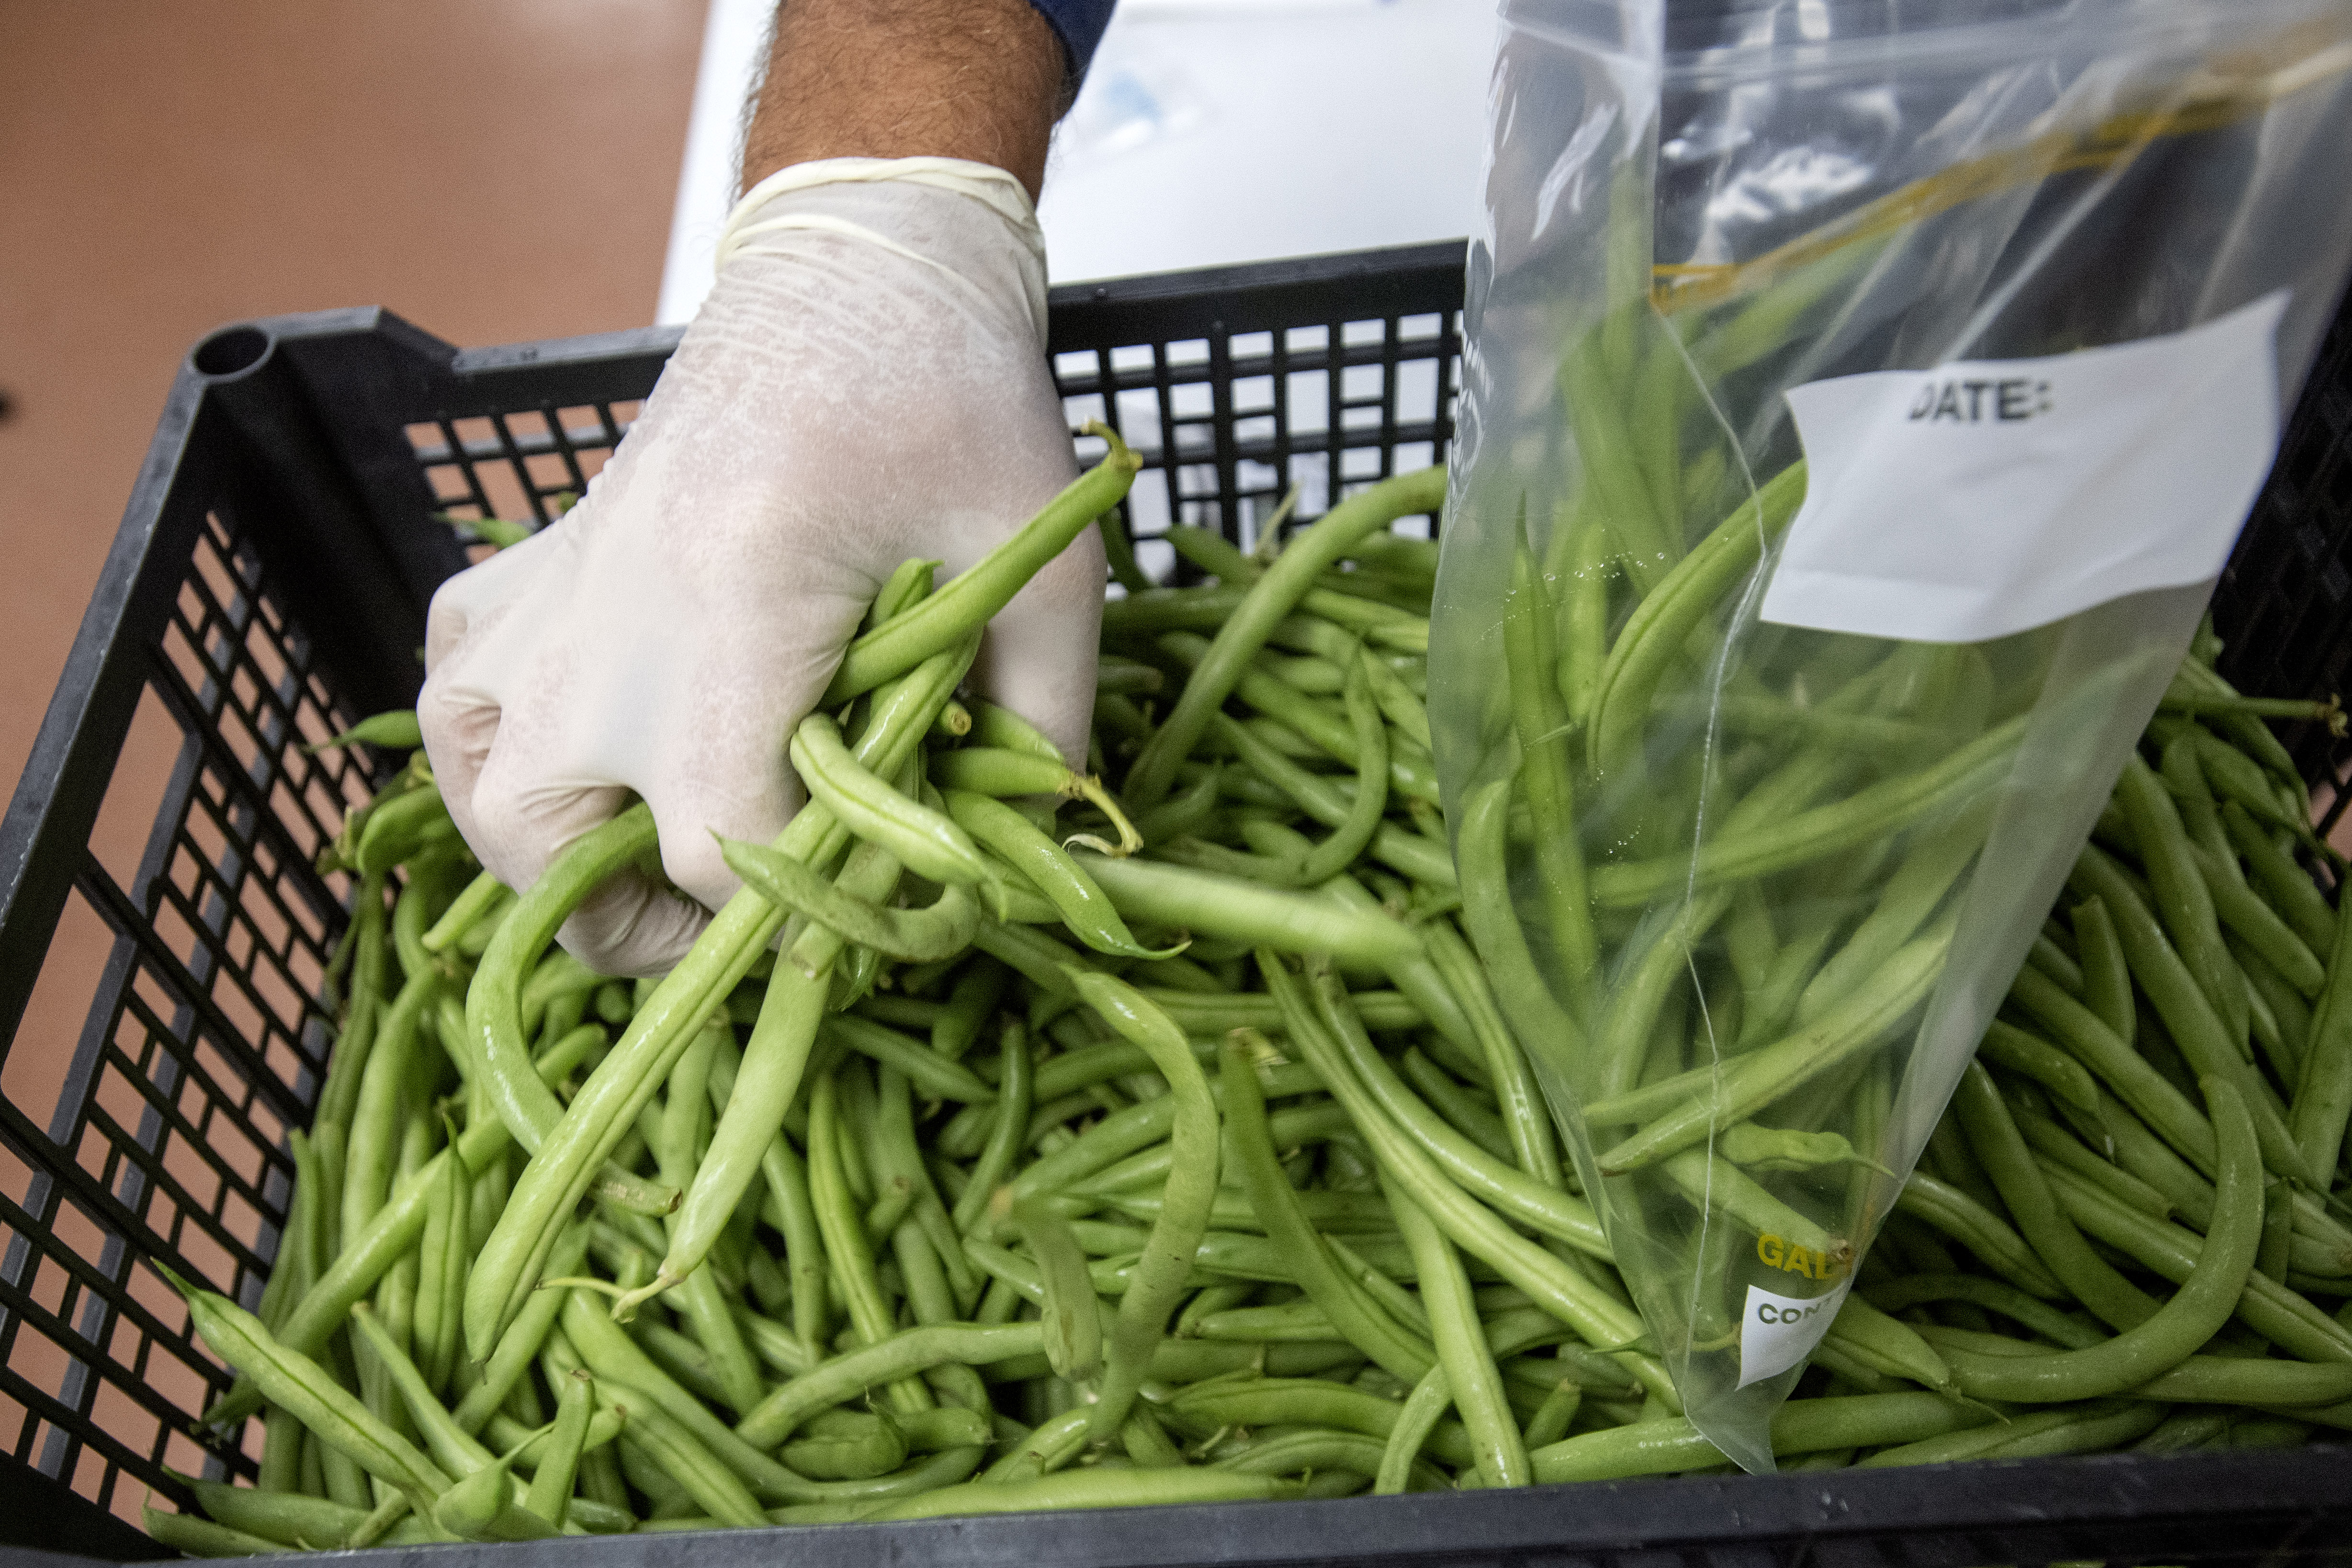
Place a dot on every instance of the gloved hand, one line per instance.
(866, 383)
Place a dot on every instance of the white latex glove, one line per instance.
(866, 383)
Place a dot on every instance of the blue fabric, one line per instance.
(1079, 24)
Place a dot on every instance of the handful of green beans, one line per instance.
(957, 1170)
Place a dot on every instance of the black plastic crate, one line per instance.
(269, 585)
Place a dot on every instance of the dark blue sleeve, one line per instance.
(1079, 24)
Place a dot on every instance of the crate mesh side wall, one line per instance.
(1225, 426)
(152, 1124)
(2287, 595)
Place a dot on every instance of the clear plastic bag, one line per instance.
(1760, 785)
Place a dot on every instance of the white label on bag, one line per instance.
(1989, 497)
(1777, 1332)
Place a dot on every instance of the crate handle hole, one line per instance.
(230, 351)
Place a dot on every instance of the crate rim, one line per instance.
(2162, 1501)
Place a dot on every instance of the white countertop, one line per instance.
(1209, 132)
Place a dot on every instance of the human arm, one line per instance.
(866, 383)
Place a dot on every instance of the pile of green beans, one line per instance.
(957, 1171)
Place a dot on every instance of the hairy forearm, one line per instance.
(903, 78)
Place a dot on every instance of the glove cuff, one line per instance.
(993, 188)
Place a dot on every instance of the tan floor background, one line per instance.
(493, 170)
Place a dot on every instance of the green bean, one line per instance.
(284, 1518)
(1928, 872)
(1087, 1489)
(904, 1354)
(1428, 997)
(1355, 830)
(1338, 1463)
(2281, 1019)
(1183, 815)
(1539, 721)
(2047, 956)
(622, 1370)
(1074, 1336)
(2232, 773)
(2070, 1430)
(2183, 902)
(1451, 1100)
(2285, 884)
(441, 1280)
(185, 1534)
(870, 808)
(607, 1105)
(1887, 1345)
(912, 935)
(1294, 1322)
(1130, 1182)
(1244, 631)
(1204, 903)
(1552, 1418)
(455, 1450)
(1917, 1290)
(1517, 1099)
(289, 1378)
(1477, 1387)
(2244, 1380)
(937, 1078)
(845, 1243)
(1276, 1401)
(846, 1445)
(363, 1260)
(402, 828)
(1657, 960)
(2030, 1056)
(1997, 1143)
(519, 1345)
(1003, 770)
(1159, 1279)
(1957, 1215)
(766, 1081)
(1397, 702)
(908, 584)
(1652, 639)
(2323, 1098)
(1412, 773)
(1546, 1209)
(2198, 1030)
(1715, 1185)
(1870, 815)
(674, 1447)
(1371, 1329)
(2052, 1145)
(1800, 1427)
(1539, 1021)
(1014, 1093)
(2249, 917)
(2270, 1309)
(1592, 1311)
(480, 896)
(701, 1299)
(972, 1001)
(1215, 1014)
(2150, 1095)
(1748, 1083)
(376, 1126)
(1081, 903)
(971, 597)
(480, 1507)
